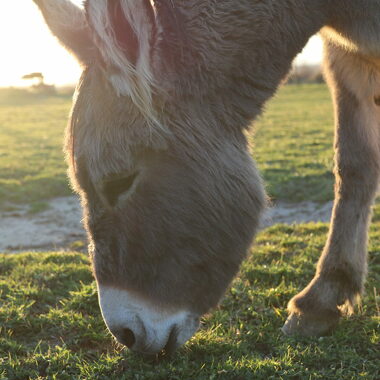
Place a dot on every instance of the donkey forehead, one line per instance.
(107, 133)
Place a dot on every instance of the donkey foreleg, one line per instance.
(341, 271)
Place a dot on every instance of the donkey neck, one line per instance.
(289, 25)
(261, 50)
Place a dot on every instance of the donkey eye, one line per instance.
(115, 187)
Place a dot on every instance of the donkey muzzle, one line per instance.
(142, 327)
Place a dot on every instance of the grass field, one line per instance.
(50, 323)
(32, 164)
(293, 146)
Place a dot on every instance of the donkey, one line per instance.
(156, 149)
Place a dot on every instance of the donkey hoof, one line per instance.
(300, 324)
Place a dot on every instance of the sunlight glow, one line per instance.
(27, 46)
(312, 53)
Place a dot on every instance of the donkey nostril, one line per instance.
(127, 338)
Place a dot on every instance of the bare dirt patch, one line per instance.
(56, 228)
(60, 225)
(302, 212)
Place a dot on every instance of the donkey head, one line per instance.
(170, 194)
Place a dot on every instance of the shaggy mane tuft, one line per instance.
(131, 73)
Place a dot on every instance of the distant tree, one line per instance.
(40, 87)
(38, 76)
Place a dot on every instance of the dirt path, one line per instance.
(302, 212)
(60, 225)
(56, 228)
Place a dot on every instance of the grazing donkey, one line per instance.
(157, 151)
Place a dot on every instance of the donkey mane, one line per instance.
(132, 76)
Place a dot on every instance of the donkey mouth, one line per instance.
(169, 348)
(127, 338)
(171, 344)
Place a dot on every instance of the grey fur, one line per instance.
(178, 234)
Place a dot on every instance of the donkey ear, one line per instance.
(68, 23)
(124, 32)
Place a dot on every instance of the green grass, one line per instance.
(32, 163)
(51, 325)
(293, 146)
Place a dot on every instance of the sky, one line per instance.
(27, 46)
